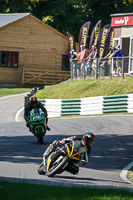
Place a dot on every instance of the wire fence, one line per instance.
(96, 68)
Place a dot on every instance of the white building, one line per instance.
(123, 35)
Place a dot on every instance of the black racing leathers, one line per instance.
(29, 107)
(74, 169)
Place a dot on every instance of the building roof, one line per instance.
(121, 14)
(8, 18)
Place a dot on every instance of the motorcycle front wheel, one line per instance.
(40, 135)
(57, 169)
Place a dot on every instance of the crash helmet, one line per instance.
(33, 100)
(88, 139)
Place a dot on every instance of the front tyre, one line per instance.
(57, 168)
(40, 135)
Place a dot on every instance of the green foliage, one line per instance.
(69, 15)
(130, 174)
(129, 3)
(15, 191)
(87, 88)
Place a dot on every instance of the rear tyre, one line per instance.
(59, 168)
(40, 169)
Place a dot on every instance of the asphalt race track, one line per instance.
(21, 154)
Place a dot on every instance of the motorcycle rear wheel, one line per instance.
(59, 168)
(41, 170)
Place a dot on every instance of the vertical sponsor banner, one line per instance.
(83, 34)
(103, 41)
(95, 35)
(111, 36)
(71, 43)
(110, 44)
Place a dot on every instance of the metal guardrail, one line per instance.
(70, 107)
(89, 105)
(103, 67)
(115, 104)
(67, 107)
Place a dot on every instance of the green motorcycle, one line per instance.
(37, 124)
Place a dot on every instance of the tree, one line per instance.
(69, 15)
(13, 6)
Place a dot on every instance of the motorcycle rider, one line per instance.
(81, 143)
(32, 104)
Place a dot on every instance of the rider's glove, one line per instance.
(27, 124)
(48, 128)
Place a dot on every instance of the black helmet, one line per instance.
(33, 100)
(88, 139)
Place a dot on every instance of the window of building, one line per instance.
(9, 59)
(65, 62)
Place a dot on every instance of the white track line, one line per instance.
(17, 114)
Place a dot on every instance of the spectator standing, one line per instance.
(83, 55)
(107, 62)
(92, 59)
(118, 54)
(73, 59)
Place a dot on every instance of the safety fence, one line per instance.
(89, 105)
(118, 104)
(100, 67)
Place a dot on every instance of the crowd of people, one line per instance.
(84, 64)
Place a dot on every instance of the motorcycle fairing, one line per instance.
(71, 154)
(48, 163)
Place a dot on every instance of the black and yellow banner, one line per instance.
(104, 40)
(83, 34)
(71, 43)
(95, 36)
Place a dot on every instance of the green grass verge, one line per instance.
(130, 174)
(87, 88)
(11, 91)
(24, 191)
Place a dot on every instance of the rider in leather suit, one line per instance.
(32, 104)
(82, 144)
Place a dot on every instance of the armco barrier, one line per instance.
(115, 104)
(89, 105)
(70, 107)
(66, 107)
(53, 106)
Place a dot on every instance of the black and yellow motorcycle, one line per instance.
(60, 160)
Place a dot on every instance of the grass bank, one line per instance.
(10, 91)
(87, 88)
(23, 191)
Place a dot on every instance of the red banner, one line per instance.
(122, 21)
